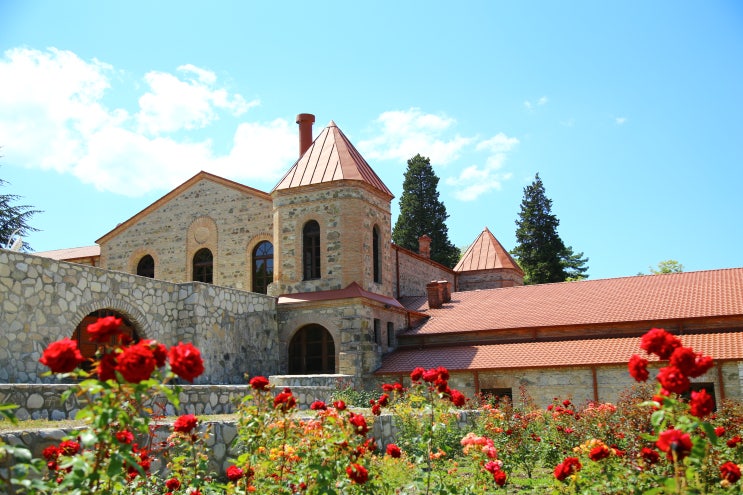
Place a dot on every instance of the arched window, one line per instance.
(311, 250)
(203, 266)
(375, 255)
(262, 267)
(312, 351)
(146, 266)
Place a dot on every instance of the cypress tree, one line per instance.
(421, 213)
(14, 218)
(540, 251)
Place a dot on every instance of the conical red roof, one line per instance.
(331, 157)
(486, 253)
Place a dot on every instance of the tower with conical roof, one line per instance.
(332, 220)
(487, 265)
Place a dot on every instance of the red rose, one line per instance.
(673, 380)
(185, 423)
(107, 367)
(376, 409)
(719, 431)
(650, 456)
(599, 452)
(104, 328)
(158, 350)
(734, 441)
(431, 375)
(259, 383)
(457, 398)
(393, 451)
(185, 361)
(659, 342)
(500, 478)
(357, 473)
(417, 374)
(284, 401)
(674, 442)
(172, 484)
(50, 453)
(318, 405)
(683, 358)
(339, 405)
(701, 404)
(62, 356)
(567, 467)
(69, 447)
(702, 365)
(383, 400)
(136, 363)
(234, 473)
(126, 437)
(730, 472)
(359, 424)
(638, 368)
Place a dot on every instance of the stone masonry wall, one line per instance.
(43, 300)
(415, 273)
(351, 324)
(488, 279)
(209, 214)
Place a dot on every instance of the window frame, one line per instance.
(202, 267)
(311, 262)
(259, 282)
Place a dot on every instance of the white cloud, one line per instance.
(175, 103)
(53, 117)
(474, 180)
(620, 120)
(405, 133)
(540, 102)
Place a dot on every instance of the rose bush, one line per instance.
(650, 442)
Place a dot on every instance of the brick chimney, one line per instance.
(446, 290)
(424, 246)
(435, 296)
(305, 121)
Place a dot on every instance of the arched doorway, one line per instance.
(87, 347)
(312, 351)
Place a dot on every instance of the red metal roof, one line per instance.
(71, 253)
(353, 290)
(331, 157)
(721, 346)
(486, 253)
(589, 302)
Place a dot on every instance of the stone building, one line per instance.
(305, 280)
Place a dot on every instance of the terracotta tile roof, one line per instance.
(331, 157)
(721, 346)
(71, 253)
(641, 298)
(353, 290)
(486, 253)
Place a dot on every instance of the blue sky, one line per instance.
(629, 111)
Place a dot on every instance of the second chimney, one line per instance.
(424, 246)
(305, 121)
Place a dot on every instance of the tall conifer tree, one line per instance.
(421, 213)
(540, 250)
(14, 218)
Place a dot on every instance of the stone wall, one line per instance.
(212, 212)
(488, 279)
(414, 272)
(43, 300)
(351, 324)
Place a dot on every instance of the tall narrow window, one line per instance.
(375, 255)
(377, 331)
(390, 335)
(146, 266)
(262, 267)
(311, 250)
(203, 266)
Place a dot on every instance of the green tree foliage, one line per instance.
(667, 266)
(540, 251)
(14, 218)
(421, 213)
